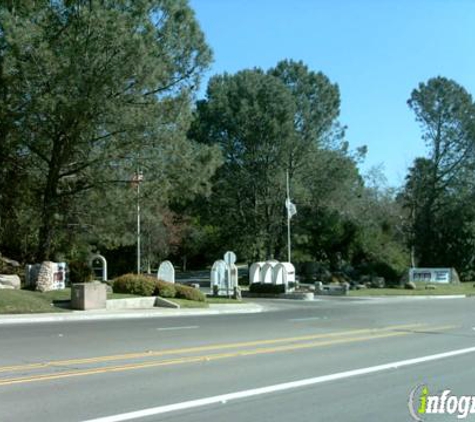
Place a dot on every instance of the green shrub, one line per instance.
(135, 284)
(272, 289)
(189, 293)
(80, 272)
(165, 289)
(243, 281)
(382, 269)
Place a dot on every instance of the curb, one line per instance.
(104, 315)
(402, 297)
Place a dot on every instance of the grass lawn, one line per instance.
(185, 303)
(28, 302)
(441, 289)
(222, 300)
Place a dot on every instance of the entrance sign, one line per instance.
(224, 275)
(434, 275)
(166, 272)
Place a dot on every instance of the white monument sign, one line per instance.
(166, 272)
(280, 275)
(272, 272)
(255, 272)
(218, 276)
(267, 272)
(224, 275)
(232, 273)
(433, 275)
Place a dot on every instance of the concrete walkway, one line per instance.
(106, 314)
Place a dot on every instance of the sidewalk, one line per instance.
(107, 314)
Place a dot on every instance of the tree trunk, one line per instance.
(46, 232)
(50, 198)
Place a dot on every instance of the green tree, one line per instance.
(317, 103)
(250, 116)
(442, 183)
(268, 123)
(441, 233)
(91, 90)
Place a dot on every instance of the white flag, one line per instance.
(291, 208)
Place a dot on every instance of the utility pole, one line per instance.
(291, 211)
(287, 203)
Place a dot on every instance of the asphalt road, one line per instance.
(330, 360)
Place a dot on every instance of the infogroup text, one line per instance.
(422, 403)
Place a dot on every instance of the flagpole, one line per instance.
(288, 219)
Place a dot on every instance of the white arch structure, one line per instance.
(255, 272)
(272, 272)
(104, 265)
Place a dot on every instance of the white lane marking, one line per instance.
(191, 327)
(306, 319)
(276, 388)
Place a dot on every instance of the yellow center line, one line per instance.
(166, 352)
(207, 358)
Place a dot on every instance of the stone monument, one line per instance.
(10, 281)
(224, 275)
(51, 276)
(166, 272)
(218, 277)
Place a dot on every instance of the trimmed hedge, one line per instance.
(135, 284)
(272, 289)
(165, 289)
(80, 272)
(144, 285)
(189, 293)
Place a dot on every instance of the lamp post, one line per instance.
(289, 254)
(138, 177)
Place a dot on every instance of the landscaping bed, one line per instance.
(420, 290)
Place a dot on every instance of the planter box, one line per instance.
(86, 296)
(132, 303)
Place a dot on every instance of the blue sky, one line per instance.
(377, 51)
